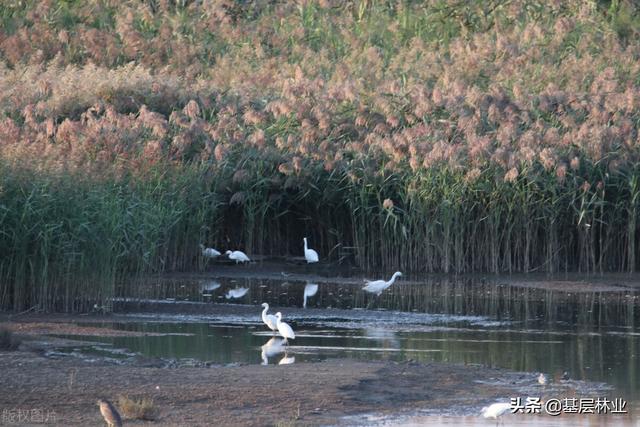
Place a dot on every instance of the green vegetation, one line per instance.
(433, 136)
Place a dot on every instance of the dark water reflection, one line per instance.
(594, 335)
(466, 297)
(595, 356)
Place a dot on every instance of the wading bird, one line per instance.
(237, 256)
(377, 286)
(269, 319)
(310, 290)
(109, 413)
(542, 379)
(284, 329)
(209, 252)
(309, 254)
(495, 410)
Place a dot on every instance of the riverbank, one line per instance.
(331, 392)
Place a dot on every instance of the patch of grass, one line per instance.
(138, 409)
(8, 340)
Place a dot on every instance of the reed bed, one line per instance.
(430, 136)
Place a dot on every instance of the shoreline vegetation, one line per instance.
(431, 136)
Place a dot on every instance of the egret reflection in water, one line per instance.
(287, 360)
(236, 293)
(207, 287)
(272, 348)
(310, 290)
(385, 336)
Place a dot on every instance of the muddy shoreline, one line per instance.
(319, 393)
(329, 392)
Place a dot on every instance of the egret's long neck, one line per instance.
(393, 279)
(305, 244)
(264, 312)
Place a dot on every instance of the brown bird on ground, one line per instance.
(109, 413)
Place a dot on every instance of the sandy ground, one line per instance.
(251, 395)
(322, 393)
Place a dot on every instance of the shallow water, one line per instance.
(594, 336)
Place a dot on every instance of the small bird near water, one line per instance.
(237, 256)
(269, 319)
(309, 254)
(284, 329)
(377, 286)
(495, 410)
(209, 252)
(542, 379)
(109, 413)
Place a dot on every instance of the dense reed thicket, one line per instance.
(432, 136)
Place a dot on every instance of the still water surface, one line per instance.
(592, 335)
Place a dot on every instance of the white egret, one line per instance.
(236, 293)
(377, 286)
(496, 410)
(271, 348)
(309, 254)
(310, 290)
(237, 256)
(269, 319)
(284, 329)
(209, 252)
(542, 379)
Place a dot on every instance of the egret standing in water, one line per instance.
(495, 410)
(377, 286)
(269, 319)
(209, 252)
(238, 256)
(284, 329)
(309, 254)
(310, 290)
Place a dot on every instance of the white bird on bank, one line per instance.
(377, 286)
(209, 252)
(269, 319)
(236, 293)
(284, 329)
(309, 254)
(310, 290)
(542, 379)
(237, 256)
(495, 410)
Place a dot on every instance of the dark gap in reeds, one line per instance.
(424, 137)
(68, 242)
